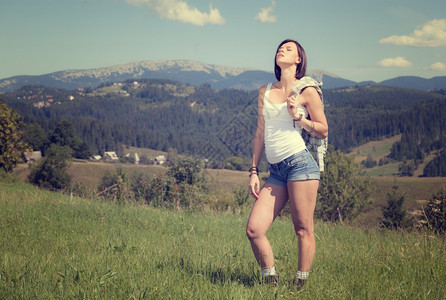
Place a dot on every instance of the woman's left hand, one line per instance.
(293, 108)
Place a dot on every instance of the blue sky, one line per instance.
(354, 39)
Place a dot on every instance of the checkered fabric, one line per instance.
(317, 146)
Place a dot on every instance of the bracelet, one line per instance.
(312, 127)
(254, 168)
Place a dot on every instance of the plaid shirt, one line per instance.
(315, 145)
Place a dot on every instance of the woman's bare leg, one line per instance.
(302, 197)
(272, 199)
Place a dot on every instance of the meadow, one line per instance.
(86, 177)
(56, 247)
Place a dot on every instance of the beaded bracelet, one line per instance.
(255, 169)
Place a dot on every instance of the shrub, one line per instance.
(343, 193)
(163, 191)
(116, 187)
(181, 187)
(51, 171)
(186, 171)
(435, 212)
(407, 168)
(394, 215)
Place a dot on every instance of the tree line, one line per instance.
(162, 114)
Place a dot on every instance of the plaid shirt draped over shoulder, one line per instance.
(317, 146)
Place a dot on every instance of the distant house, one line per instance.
(134, 156)
(110, 156)
(33, 156)
(159, 160)
(96, 158)
(39, 104)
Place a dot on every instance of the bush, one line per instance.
(343, 193)
(51, 171)
(8, 177)
(181, 187)
(116, 187)
(163, 191)
(369, 162)
(237, 163)
(186, 171)
(407, 168)
(394, 215)
(435, 212)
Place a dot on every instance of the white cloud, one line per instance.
(432, 34)
(265, 15)
(178, 10)
(399, 61)
(438, 66)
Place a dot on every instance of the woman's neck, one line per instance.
(288, 79)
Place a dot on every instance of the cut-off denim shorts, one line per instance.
(298, 167)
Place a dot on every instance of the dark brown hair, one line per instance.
(301, 67)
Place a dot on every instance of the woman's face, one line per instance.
(287, 54)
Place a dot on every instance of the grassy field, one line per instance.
(416, 189)
(380, 150)
(224, 182)
(377, 149)
(52, 247)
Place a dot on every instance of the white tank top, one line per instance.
(281, 138)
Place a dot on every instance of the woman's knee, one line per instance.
(252, 232)
(304, 231)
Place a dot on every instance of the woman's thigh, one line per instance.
(266, 208)
(302, 197)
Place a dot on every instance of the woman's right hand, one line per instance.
(254, 186)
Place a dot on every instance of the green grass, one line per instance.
(54, 247)
(384, 170)
(223, 183)
(377, 149)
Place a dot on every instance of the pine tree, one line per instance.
(394, 215)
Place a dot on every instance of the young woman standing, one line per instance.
(294, 174)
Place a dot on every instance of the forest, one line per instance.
(218, 124)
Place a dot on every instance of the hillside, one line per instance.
(56, 247)
(218, 124)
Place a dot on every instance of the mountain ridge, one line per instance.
(195, 73)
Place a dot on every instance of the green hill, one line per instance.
(217, 124)
(52, 246)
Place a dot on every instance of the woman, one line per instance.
(294, 174)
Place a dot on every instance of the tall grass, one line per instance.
(53, 247)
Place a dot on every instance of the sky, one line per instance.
(355, 39)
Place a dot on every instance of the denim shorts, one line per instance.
(298, 167)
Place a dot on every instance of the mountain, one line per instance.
(194, 73)
(414, 82)
(189, 72)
